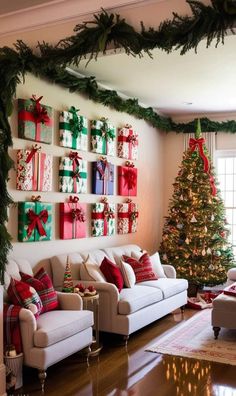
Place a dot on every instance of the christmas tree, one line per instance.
(194, 238)
(68, 281)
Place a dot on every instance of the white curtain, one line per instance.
(210, 140)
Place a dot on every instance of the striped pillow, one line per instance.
(142, 268)
(43, 285)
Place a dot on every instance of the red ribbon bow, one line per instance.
(40, 113)
(73, 199)
(36, 221)
(74, 157)
(33, 151)
(78, 214)
(132, 139)
(193, 144)
(130, 178)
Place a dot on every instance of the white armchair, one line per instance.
(55, 334)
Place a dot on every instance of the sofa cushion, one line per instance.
(136, 298)
(128, 274)
(90, 271)
(112, 273)
(58, 264)
(115, 253)
(42, 283)
(142, 267)
(168, 287)
(55, 326)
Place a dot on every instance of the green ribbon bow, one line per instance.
(107, 133)
(76, 123)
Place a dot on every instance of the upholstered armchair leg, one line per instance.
(216, 331)
(42, 377)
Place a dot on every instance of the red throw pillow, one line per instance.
(20, 293)
(43, 285)
(142, 268)
(112, 273)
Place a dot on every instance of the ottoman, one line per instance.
(223, 313)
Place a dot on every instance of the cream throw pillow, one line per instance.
(128, 274)
(91, 272)
(155, 261)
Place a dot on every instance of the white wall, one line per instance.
(150, 176)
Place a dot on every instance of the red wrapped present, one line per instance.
(34, 170)
(127, 179)
(72, 219)
(127, 143)
(34, 120)
(230, 290)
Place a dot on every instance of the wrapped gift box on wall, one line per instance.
(127, 217)
(103, 137)
(73, 174)
(72, 219)
(127, 179)
(102, 177)
(34, 221)
(34, 120)
(34, 170)
(103, 219)
(127, 143)
(73, 130)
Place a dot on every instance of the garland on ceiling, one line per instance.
(210, 22)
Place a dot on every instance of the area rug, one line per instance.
(194, 338)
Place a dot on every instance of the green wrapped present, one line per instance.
(34, 221)
(73, 130)
(103, 219)
(35, 120)
(103, 137)
(73, 174)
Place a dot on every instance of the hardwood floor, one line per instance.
(130, 371)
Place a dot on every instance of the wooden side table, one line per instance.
(92, 303)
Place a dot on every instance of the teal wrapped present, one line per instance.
(73, 130)
(73, 174)
(103, 137)
(34, 221)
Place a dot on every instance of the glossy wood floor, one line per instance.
(130, 371)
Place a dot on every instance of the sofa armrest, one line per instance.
(169, 270)
(28, 325)
(70, 301)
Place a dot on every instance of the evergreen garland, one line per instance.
(182, 32)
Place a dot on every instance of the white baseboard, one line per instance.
(2, 380)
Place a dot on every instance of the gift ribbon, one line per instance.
(104, 169)
(39, 115)
(105, 133)
(36, 221)
(131, 139)
(193, 144)
(35, 166)
(76, 123)
(76, 165)
(105, 216)
(73, 199)
(131, 215)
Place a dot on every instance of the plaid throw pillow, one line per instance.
(20, 293)
(142, 268)
(43, 285)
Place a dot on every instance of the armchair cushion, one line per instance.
(55, 326)
(20, 293)
(42, 283)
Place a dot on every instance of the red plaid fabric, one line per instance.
(11, 328)
(42, 283)
(142, 268)
(20, 293)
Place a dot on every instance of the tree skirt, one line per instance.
(195, 339)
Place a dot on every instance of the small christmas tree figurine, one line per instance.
(68, 282)
(194, 238)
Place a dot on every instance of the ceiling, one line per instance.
(174, 85)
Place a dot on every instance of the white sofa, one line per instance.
(133, 308)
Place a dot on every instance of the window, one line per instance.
(226, 172)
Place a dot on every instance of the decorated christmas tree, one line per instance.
(68, 282)
(194, 238)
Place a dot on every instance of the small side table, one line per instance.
(15, 363)
(92, 303)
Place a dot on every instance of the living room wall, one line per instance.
(150, 176)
